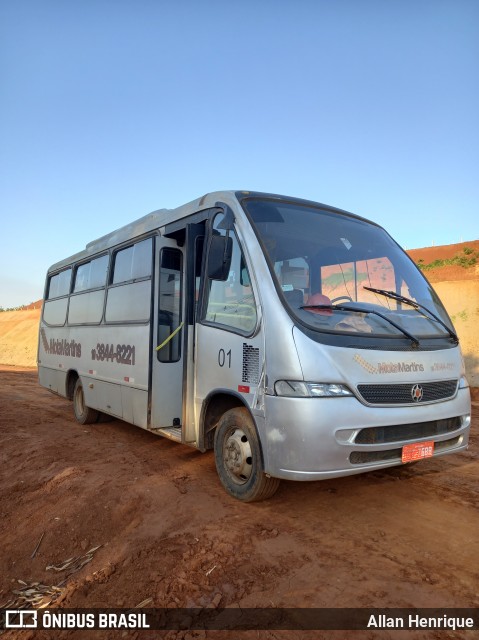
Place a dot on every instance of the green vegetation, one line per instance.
(337, 279)
(468, 258)
(20, 308)
(461, 315)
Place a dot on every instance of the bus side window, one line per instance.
(88, 295)
(170, 311)
(133, 262)
(59, 284)
(56, 303)
(129, 291)
(91, 275)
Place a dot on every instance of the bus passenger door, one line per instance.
(167, 352)
(179, 259)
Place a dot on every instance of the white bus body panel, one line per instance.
(114, 381)
(228, 362)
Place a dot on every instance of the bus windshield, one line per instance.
(339, 273)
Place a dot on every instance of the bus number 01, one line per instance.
(224, 358)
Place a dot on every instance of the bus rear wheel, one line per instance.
(238, 458)
(83, 414)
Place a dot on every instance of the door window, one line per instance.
(231, 303)
(169, 312)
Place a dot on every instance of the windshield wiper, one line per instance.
(415, 305)
(342, 307)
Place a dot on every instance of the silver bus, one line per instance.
(296, 340)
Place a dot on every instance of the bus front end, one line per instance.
(378, 378)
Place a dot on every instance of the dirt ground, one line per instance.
(19, 337)
(403, 537)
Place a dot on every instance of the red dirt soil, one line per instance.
(403, 537)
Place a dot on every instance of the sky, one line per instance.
(110, 109)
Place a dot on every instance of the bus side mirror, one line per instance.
(219, 257)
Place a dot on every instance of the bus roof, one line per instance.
(161, 217)
(150, 222)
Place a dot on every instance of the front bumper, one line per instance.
(315, 438)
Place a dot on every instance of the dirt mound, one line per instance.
(453, 270)
(33, 305)
(448, 262)
(19, 337)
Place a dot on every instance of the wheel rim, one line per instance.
(237, 456)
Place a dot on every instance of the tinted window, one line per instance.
(86, 308)
(59, 284)
(169, 312)
(91, 275)
(133, 262)
(129, 302)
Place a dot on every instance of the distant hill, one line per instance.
(448, 262)
(24, 307)
(33, 305)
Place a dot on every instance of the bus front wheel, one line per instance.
(238, 458)
(83, 414)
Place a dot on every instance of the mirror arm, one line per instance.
(229, 217)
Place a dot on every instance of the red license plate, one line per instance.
(417, 451)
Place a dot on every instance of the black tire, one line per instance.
(83, 414)
(238, 458)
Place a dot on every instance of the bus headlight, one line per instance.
(296, 389)
(463, 383)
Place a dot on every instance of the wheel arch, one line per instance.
(239, 457)
(216, 403)
(72, 377)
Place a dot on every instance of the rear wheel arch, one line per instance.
(72, 377)
(83, 413)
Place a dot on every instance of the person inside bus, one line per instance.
(319, 299)
(351, 322)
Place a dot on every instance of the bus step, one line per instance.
(173, 433)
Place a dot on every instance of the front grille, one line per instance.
(415, 431)
(363, 457)
(402, 393)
